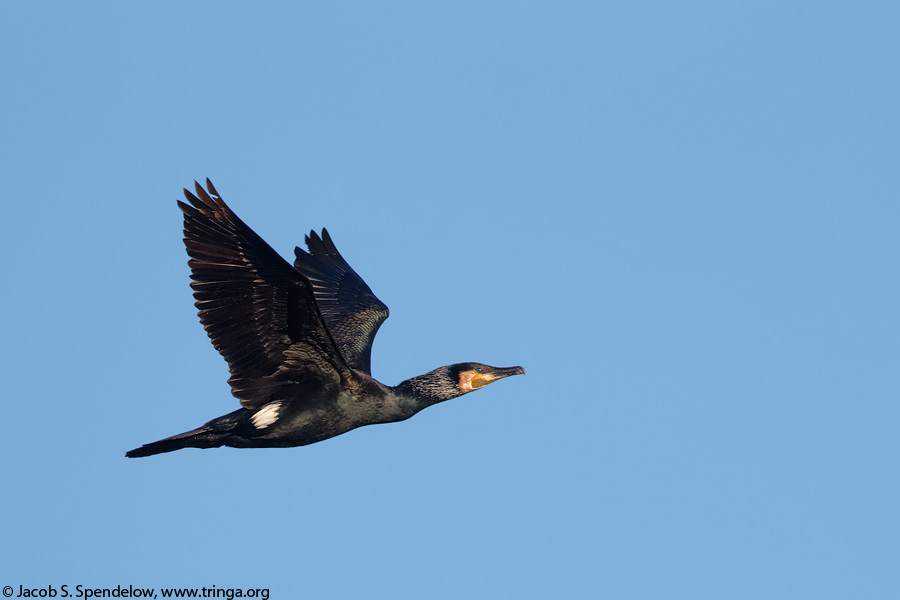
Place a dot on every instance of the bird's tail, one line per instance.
(202, 437)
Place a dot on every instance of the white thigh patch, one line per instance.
(267, 415)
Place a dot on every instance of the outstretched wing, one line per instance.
(259, 312)
(351, 311)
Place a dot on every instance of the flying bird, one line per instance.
(297, 339)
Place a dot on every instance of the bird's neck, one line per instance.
(423, 391)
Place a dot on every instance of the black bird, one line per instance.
(297, 340)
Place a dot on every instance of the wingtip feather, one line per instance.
(201, 193)
(212, 189)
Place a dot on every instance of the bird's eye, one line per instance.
(478, 370)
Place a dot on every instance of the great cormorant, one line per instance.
(297, 339)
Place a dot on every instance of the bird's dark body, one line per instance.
(317, 417)
(297, 339)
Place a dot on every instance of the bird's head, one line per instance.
(471, 376)
(453, 381)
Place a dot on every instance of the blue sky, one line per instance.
(680, 218)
